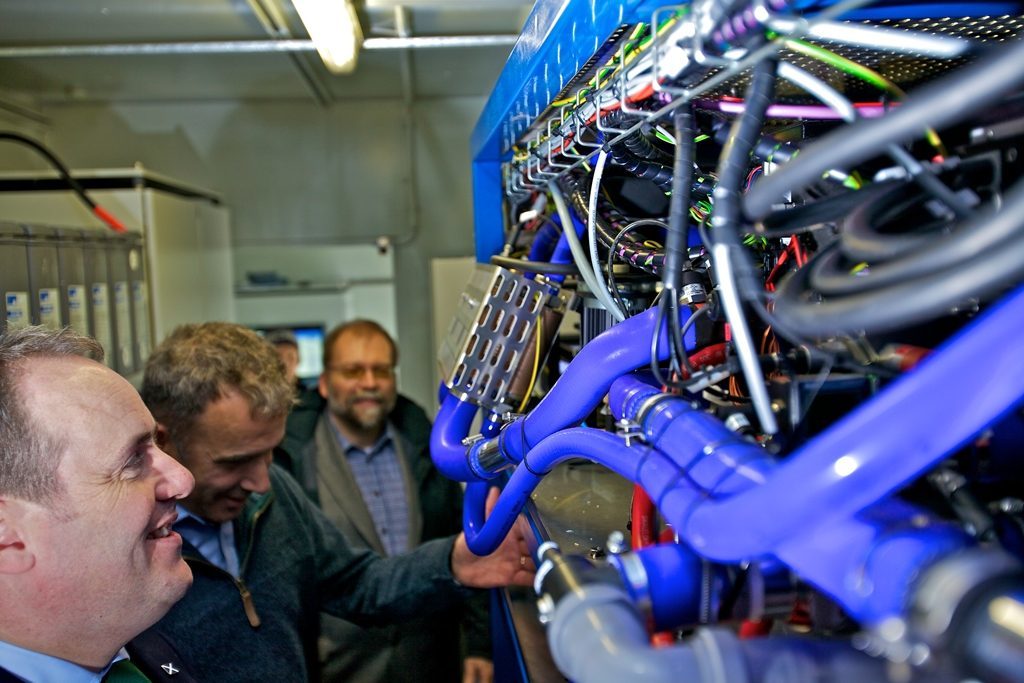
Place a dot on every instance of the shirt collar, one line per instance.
(185, 514)
(35, 666)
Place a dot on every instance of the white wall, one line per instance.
(296, 173)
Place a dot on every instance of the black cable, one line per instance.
(810, 216)
(675, 236)
(681, 339)
(692, 320)
(535, 266)
(766, 148)
(728, 217)
(734, 162)
(612, 285)
(638, 255)
(917, 299)
(705, 236)
(861, 240)
(946, 252)
(941, 103)
(65, 174)
(659, 321)
(659, 174)
(930, 183)
(677, 350)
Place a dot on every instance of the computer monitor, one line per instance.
(310, 337)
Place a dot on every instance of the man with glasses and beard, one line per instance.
(363, 456)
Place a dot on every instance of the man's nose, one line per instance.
(257, 475)
(176, 481)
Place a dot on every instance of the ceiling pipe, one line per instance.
(268, 14)
(246, 46)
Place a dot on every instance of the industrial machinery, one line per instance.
(793, 233)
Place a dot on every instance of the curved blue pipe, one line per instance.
(451, 426)
(474, 502)
(442, 393)
(562, 252)
(881, 446)
(618, 350)
(870, 563)
(483, 537)
(716, 459)
(546, 248)
(858, 461)
(867, 562)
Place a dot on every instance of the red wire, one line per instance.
(108, 218)
(798, 251)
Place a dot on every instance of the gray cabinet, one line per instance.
(60, 266)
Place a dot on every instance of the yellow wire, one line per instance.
(536, 364)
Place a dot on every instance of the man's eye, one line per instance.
(137, 459)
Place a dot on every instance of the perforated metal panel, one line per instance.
(487, 338)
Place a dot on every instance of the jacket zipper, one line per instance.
(248, 604)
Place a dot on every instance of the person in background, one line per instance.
(362, 454)
(287, 347)
(265, 559)
(88, 560)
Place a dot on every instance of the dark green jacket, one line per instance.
(424, 649)
(295, 564)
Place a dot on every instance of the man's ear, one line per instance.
(15, 556)
(321, 385)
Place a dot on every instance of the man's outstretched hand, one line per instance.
(511, 564)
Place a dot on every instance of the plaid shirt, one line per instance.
(379, 476)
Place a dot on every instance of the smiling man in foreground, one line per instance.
(87, 557)
(265, 559)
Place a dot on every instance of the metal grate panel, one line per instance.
(491, 329)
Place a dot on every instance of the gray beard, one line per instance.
(352, 423)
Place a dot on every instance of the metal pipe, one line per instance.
(246, 46)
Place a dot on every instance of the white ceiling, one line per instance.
(57, 51)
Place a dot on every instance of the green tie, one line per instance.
(123, 671)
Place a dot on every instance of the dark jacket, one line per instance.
(294, 564)
(426, 649)
(151, 653)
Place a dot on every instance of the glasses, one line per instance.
(359, 371)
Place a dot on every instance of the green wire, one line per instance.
(843, 64)
(862, 72)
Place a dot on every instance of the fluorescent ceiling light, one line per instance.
(334, 29)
